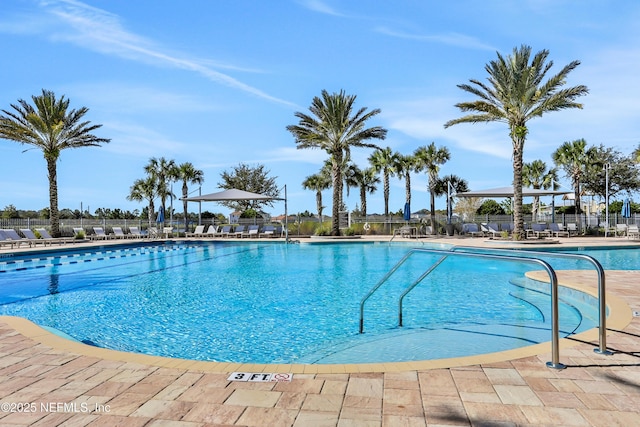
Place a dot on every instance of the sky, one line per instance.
(216, 83)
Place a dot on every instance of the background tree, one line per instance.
(490, 207)
(515, 94)
(573, 158)
(404, 166)
(318, 182)
(458, 185)
(255, 179)
(384, 160)
(624, 173)
(536, 175)
(430, 158)
(188, 174)
(163, 172)
(50, 127)
(145, 189)
(468, 207)
(365, 180)
(335, 128)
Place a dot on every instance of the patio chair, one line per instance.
(472, 229)
(13, 235)
(135, 233)
(267, 231)
(252, 231)
(405, 231)
(224, 232)
(118, 233)
(621, 229)
(491, 229)
(27, 233)
(238, 231)
(47, 237)
(99, 234)
(633, 232)
(5, 241)
(557, 230)
(211, 231)
(198, 232)
(572, 228)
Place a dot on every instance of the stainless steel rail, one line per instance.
(602, 302)
(555, 329)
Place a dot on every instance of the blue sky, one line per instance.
(216, 83)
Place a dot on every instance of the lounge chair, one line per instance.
(99, 234)
(226, 230)
(405, 231)
(135, 232)
(572, 228)
(238, 231)
(491, 229)
(5, 241)
(557, 230)
(252, 231)
(167, 232)
(621, 229)
(633, 232)
(118, 233)
(267, 231)
(47, 237)
(539, 230)
(472, 229)
(27, 233)
(13, 235)
(211, 231)
(198, 232)
(78, 231)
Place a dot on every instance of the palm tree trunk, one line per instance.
(54, 214)
(432, 197)
(386, 193)
(363, 201)
(336, 176)
(152, 209)
(185, 194)
(407, 188)
(319, 205)
(578, 203)
(518, 218)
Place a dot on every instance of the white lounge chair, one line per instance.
(557, 230)
(267, 231)
(491, 229)
(226, 230)
(211, 231)
(26, 232)
(198, 232)
(238, 231)
(135, 233)
(572, 228)
(472, 229)
(118, 233)
(633, 232)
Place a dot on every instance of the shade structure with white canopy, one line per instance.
(503, 192)
(235, 194)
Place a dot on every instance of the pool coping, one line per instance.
(620, 316)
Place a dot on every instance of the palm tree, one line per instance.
(404, 166)
(573, 157)
(366, 181)
(430, 158)
(51, 128)
(318, 182)
(163, 171)
(459, 185)
(334, 128)
(189, 175)
(145, 189)
(515, 94)
(384, 160)
(536, 175)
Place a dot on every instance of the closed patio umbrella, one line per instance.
(407, 211)
(626, 208)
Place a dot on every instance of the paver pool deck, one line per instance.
(48, 381)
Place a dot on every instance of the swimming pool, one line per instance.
(277, 303)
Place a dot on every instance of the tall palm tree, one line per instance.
(430, 158)
(405, 165)
(459, 185)
(574, 157)
(163, 171)
(318, 182)
(384, 160)
(366, 181)
(188, 174)
(536, 175)
(335, 128)
(145, 189)
(516, 93)
(50, 127)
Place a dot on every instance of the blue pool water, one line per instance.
(277, 303)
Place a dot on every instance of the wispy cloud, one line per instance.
(100, 31)
(320, 6)
(451, 39)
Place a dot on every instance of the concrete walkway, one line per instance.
(44, 382)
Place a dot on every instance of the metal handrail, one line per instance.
(602, 303)
(555, 328)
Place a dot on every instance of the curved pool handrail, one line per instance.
(602, 302)
(555, 328)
